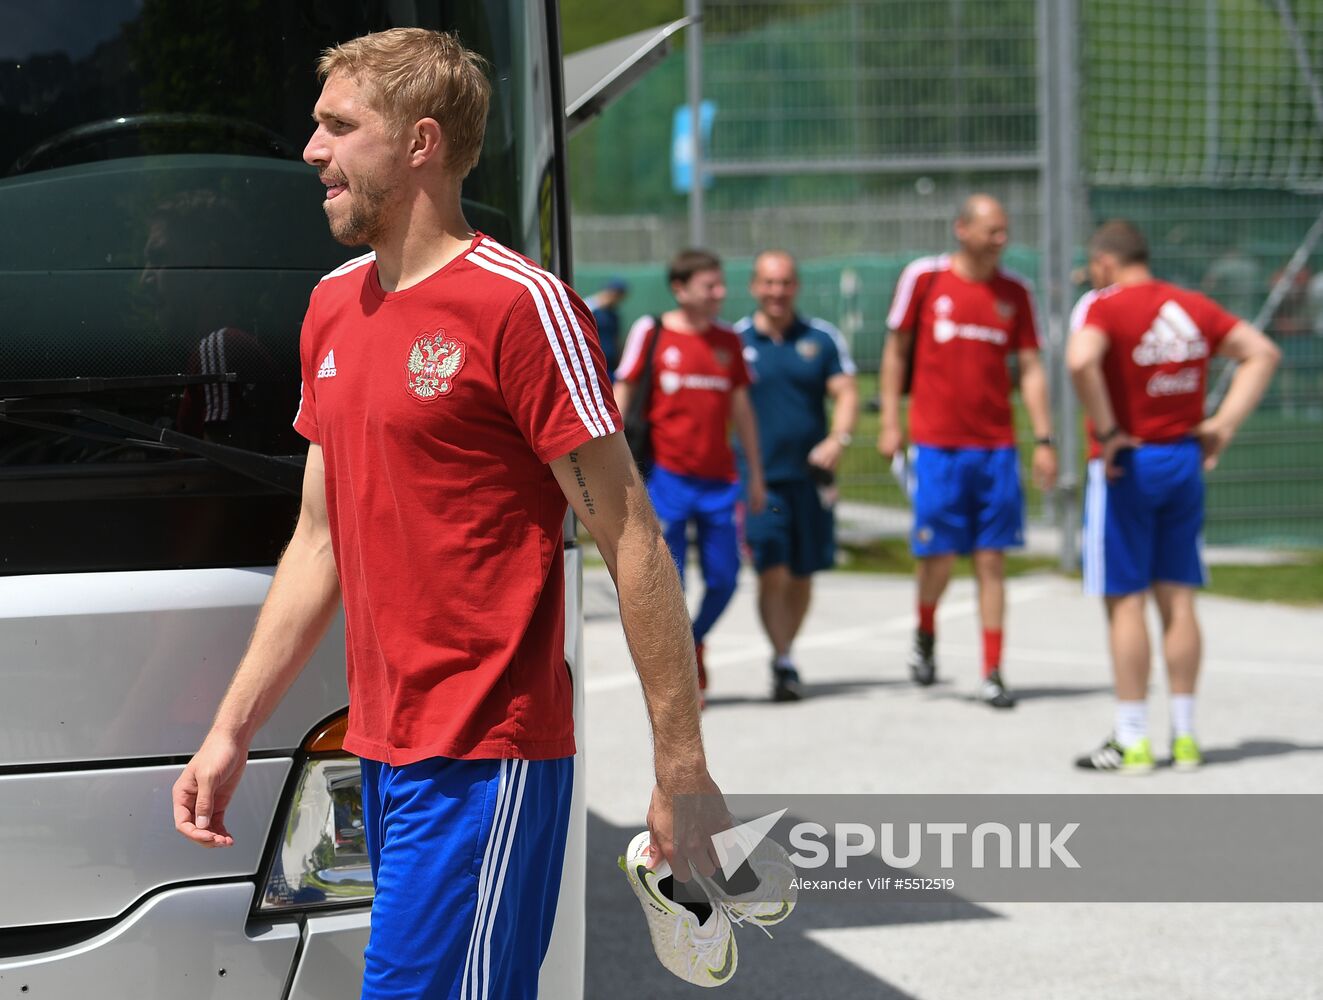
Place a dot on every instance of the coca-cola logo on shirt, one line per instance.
(1173, 338)
(1174, 383)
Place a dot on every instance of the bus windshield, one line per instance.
(162, 235)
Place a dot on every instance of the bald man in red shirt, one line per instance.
(958, 319)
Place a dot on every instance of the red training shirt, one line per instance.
(964, 331)
(437, 408)
(693, 376)
(1160, 338)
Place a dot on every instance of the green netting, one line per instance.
(821, 282)
(1201, 120)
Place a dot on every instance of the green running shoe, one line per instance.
(1111, 756)
(1185, 754)
(692, 940)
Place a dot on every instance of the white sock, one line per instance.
(1131, 722)
(1182, 715)
(784, 660)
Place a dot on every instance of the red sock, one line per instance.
(927, 616)
(991, 650)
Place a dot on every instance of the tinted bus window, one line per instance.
(160, 223)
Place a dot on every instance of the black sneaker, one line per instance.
(1111, 756)
(993, 692)
(785, 683)
(923, 668)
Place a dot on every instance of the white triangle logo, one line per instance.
(736, 844)
(327, 369)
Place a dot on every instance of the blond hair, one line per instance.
(417, 73)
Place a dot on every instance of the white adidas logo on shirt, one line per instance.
(327, 368)
(1174, 336)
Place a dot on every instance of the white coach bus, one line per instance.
(159, 237)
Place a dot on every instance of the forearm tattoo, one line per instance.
(583, 483)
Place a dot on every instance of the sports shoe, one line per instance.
(923, 668)
(761, 891)
(785, 683)
(693, 941)
(993, 692)
(1111, 756)
(1185, 754)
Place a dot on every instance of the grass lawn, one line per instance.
(1293, 583)
(892, 555)
(1299, 583)
(1267, 490)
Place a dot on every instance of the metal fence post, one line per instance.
(693, 53)
(1062, 195)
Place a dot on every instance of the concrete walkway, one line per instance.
(865, 729)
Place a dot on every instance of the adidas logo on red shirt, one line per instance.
(327, 368)
(1173, 337)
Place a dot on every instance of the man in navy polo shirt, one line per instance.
(798, 363)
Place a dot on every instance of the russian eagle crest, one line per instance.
(434, 361)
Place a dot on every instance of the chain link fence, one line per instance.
(848, 131)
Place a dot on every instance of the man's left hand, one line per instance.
(685, 842)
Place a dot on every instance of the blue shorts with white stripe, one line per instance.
(1146, 525)
(466, 856)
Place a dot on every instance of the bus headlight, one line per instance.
(319, 858)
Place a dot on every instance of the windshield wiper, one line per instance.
(79, 386)
(20, 398)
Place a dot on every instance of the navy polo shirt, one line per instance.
(789, 390)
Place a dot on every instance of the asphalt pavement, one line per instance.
(864, 728)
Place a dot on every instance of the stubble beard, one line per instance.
(366, 221)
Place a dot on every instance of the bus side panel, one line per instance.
(122, 666)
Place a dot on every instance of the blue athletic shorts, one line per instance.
(794, 530)
(466, 856)
(965, 499)
(1145, 526)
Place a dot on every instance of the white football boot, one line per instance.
(692, 940)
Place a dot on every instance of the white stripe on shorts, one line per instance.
(488, 852)
(477, 963)
(522, 768)
(1095, 520)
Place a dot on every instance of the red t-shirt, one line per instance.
(1160, 338)
(964, 331)
(437, 409)
(693, 376)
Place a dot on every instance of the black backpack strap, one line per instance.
(638, 430)
(914, 340)
(645, 378)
